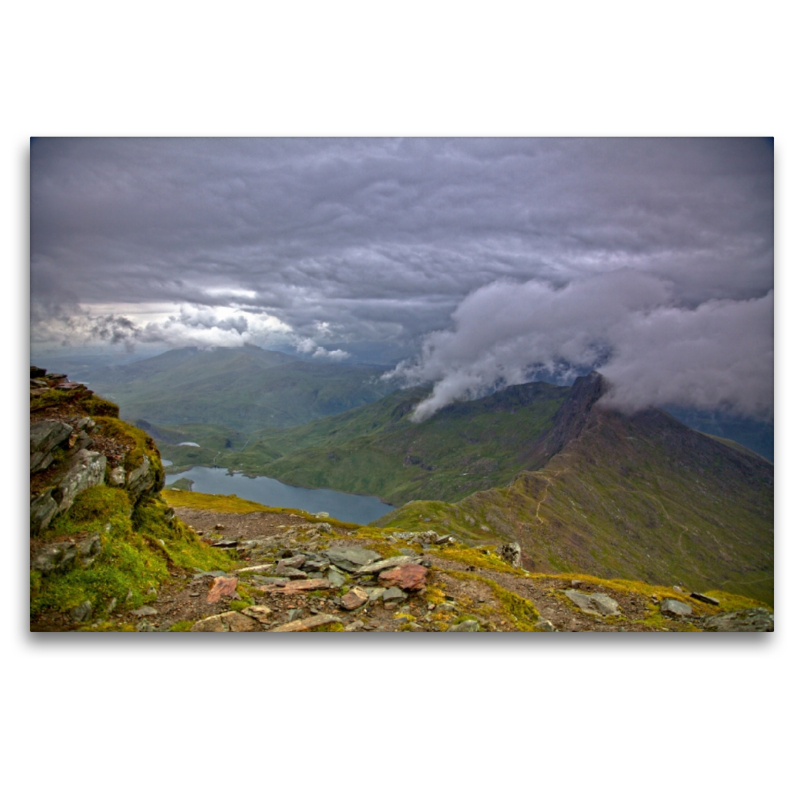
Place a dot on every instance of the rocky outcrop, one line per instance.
(70, 453)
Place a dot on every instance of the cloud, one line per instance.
(630, 325)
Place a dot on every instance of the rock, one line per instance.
(89, 548)
(704, 598)
(425, 537)
(468, 626)
(294, 587)
(225, 543)
(336, 578)
(545, 625)
(744, 621)
(229, 622)
(410, 577)
(82, 612)
(597, 603)
(393, 594)
(144, 611)
(675, 608)
(306, 624)
(324, 527)
(143, 479)
(117, 476)
(295, 561)
(37, 372)
(45, 437)
(511, 552)
(354, 599)
(322, 515)
(388, 563)
(86, 469)
(59, 556)
(259, 613)
(43, 510)
(351, 558)
(446, 540)
(222, 587)
(288, 572)
(257, 568)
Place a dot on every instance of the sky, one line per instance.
(469, 263)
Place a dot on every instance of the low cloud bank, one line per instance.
(627, 324)
(187, 326)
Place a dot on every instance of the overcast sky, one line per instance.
(476, 260)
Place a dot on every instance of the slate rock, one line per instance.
(675, 608)
(86, 469)
(117, 476)
(597, 603)
(229, 622)
(221, 587)
(336, 578)
(354, 599)
(144, 611)
(45, 437)
(704, 598)
(351, 558)
(294, 562)
(393, 594)
(745, 621)
(409, 577)
(306, 624)
(545, 626)
(295, 587)
(258, 613)
(43, 510)
(58, 556)
(288, 572)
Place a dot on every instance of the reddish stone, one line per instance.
(222, 587)
(354, 599)
(409, 577)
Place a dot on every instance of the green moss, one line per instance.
(239, 605)
(182, 626)
(331, 627)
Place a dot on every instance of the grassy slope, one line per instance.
(637, 497)
(377, 450)
(242, 388)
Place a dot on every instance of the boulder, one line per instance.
(747, 620)
(45, 437)
(222, 587)
(597, 603)
(675, 608)
(511, 552)
(409, 577)
(43, 510)
(86, 469)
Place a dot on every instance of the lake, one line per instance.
(346, 507)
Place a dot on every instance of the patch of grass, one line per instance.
(239, 605)
(331, 627)
(475, 558)
(182, 626)
(520, 612)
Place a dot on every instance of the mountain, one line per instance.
(244, 388)
(111, 552)
(638, 496)
(377, 450)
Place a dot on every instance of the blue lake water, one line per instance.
(346, 507)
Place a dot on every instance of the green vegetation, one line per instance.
(377, 449)
(138, 549)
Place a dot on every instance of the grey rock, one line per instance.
(597, 603)
(351, 558)
(545, 625)
(510, 552)
(392, 594)
(425, 537)
(145, 611)
(59, 556)
(117, 476)
(43, 509)
(82, 612)
(288, 572)
(468, 626)
(143, 479)
(45, 437)
(749, 620)
(446, 540)
(86, 469)
(675, 608)
(336, 578)
(295, 562)
(704, 598)
(445, 608)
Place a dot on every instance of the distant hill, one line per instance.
(243, 388)
(377, 450)
(640, 496)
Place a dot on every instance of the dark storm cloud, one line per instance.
(329, 241)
